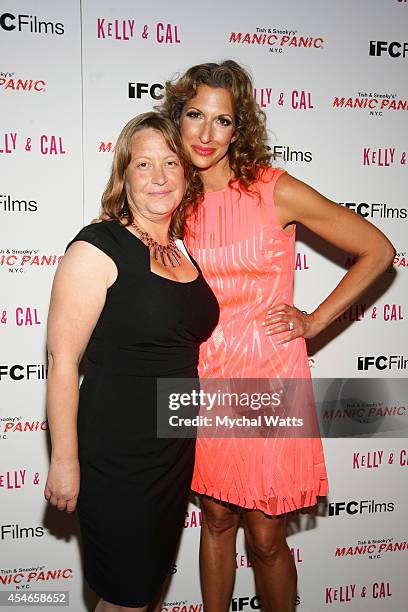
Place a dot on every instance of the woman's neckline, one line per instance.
(234, 183)
(166, 278)
(222, 189)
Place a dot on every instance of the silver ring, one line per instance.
(291, 326)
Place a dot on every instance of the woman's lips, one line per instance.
(203, 150)
(159, 194)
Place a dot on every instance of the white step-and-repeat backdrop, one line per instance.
(332, 78)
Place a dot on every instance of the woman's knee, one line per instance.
(266, 543)
(218, 518)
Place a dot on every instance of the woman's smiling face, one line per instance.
(154, 177)
(207, 125)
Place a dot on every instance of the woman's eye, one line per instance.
(193, 114)
(225, 121)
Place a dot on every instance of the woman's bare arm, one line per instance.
(77, 299)
(296, 201)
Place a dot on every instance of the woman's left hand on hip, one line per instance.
(289, 320)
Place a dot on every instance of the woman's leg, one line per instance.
(105, 606)
(275, 570)
(217, 554)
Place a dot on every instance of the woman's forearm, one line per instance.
(62, 409)
(359, 277)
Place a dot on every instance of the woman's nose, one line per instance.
(159, 175)
(206, 132)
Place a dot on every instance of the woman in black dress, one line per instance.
(130, 297)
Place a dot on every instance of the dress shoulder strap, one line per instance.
(267, 185)
(104, 237)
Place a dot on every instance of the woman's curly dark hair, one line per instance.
(248, 153)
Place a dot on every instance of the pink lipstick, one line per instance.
(203, 150)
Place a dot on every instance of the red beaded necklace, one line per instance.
(168, 254)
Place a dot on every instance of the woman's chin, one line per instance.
(201, 163)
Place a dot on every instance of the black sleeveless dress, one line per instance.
(134, 485)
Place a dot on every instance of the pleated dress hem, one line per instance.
(272, 505)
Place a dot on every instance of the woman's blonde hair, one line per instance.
(114, 199)
(248, 153)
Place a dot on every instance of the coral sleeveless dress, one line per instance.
(248, 261)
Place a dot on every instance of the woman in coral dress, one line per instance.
(243, 237)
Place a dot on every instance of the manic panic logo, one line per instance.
(138, 90)
(5, 421)
(9, 82)
(345, 593)
(16, 425)
(376, 104)
(287, 154)
(26, 372)
(30, 23)
(376, 210)
(393, 49)
(181, 606)
(382, 362)
(21, 260)
(363, 506)
(10, 205)
(26, 577)
(371, 549)
(363, 413)
(277, 40)
(16, 532)
(106, 147)
(400, 260)
(193, 519)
